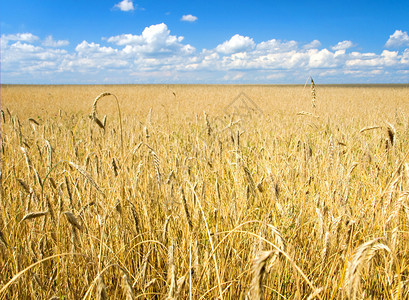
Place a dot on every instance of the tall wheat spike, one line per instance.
(363, 254)
(259, 269)
(94, 113)
(156, 167)
(2, 240)
(127, 286)
(72, 220)
(313, 93)
(391, 133)
(87, 176)
(172, 273)
(101, 293)
(34, 215)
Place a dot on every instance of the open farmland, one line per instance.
(204, 192)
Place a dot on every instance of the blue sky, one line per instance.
(268, 42)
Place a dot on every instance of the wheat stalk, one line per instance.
(189, 219)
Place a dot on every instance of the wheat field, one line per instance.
(204, 192)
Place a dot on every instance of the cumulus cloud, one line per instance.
(125, 5)
(154, 40)
(276, 46)
(85, 48)
(155, 55)
(22, 37)
(344, 45)
(398, 39)
(189, 18)
(372, 60)
(313, 45)
(50, 42)
(237, 43)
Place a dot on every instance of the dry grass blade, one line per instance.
(34, 215)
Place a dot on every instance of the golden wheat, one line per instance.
(175, 196)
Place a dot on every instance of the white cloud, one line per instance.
(125, 5)
(189, 18)
(398, 39)
(85, 48)
(22, 37)
(276, 46)
(321, 59)
(236, 44)
(313, 45)
(155, 55)
(125, 39)
(344, 45)
(405, 57)
(50, 42)
(372, 60)
(154, 40)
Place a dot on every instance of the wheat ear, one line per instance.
(362, 254)
(259, 269)
(94, 112)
